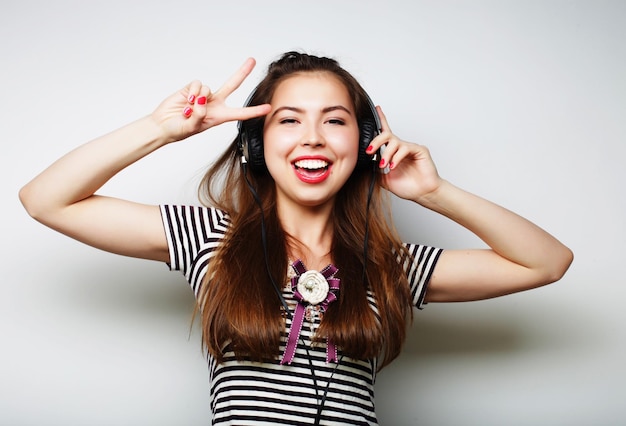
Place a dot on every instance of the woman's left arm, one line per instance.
(521, 255)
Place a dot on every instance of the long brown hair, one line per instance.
(239, 307)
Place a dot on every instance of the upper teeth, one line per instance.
(311, 164)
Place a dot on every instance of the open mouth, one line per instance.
(312, 170)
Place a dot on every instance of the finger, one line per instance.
(192, 90)
(198, 102)
(398, 156)
(247, 113)
(204, 96)
(384, 125)
(190, 93)
(236, 79)
(387, 157)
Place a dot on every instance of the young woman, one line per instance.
(304, 289)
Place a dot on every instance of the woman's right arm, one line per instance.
(64, 198)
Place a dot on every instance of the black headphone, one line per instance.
(250, 138)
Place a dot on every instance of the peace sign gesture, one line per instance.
(194, 108)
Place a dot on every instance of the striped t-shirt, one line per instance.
(254, 393)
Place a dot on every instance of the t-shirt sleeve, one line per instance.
(193, 233)
(419, 268)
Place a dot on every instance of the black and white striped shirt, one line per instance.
(253, 393)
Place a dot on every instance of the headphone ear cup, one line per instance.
(367, 132)
(252, 141)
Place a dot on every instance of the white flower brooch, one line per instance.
(315, 288)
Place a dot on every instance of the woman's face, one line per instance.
(310, 138)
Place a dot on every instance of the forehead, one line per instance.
(312, 88)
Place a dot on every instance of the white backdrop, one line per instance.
(523, 102)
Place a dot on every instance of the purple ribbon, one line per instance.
(298, 319)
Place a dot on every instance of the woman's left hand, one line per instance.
(412, 173)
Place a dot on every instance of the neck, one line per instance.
(311, 233)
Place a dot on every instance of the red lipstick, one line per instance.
(312, 169)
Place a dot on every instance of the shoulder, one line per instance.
(420, 261)
(193, 233)
(213, 219)
(196, 224)
(421, 253)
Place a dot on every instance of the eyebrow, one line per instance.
(300, 110)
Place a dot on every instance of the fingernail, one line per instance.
(191, 98)
(391, 165)
(369, 149)
(202, 100)
(382, 162)
(187, 112)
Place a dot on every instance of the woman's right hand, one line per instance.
(64, 198)
(194, 108)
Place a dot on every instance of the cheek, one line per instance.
(275, 150)
(348, 148)
(277, 142)
(351, 157)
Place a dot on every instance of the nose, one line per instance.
(313, 136)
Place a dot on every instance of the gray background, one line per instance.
(522, 102)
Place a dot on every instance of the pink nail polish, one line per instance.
(382, 162)
(191, 98)
(202, 100)
(391, 165)
(187, 112)
(369, 149)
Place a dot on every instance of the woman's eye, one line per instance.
(336, 121)
(288, 121)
